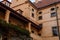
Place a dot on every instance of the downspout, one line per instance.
(57, 20)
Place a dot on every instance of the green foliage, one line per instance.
(15, 27)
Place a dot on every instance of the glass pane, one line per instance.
(55, 31)
(7, 3)
(53, 14)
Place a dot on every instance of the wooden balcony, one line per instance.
(18, 16)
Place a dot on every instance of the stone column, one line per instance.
(29, 25)
(7, 16)
(1, 38)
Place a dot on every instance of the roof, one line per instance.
(41, 4)
(19, 15)
(45, 3)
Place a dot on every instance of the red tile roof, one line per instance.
(44, 3)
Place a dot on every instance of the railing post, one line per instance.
(0, 37)
(29, 27)
(7, 16)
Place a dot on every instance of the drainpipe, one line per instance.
(57, 20)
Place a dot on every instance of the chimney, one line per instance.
(36, 1)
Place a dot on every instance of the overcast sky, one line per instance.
(10, 0)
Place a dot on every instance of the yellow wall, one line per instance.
(47, 21)
(17, 2)
(27, 11)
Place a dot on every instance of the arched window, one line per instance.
(53, 14)
(33, 15)
(55, 31)
(40, 17)
(33, 10)
(40, 12)
(52, 9)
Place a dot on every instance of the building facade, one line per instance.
(44, 13)
(15, 18)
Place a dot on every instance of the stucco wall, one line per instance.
(47, 21)
(27, 11)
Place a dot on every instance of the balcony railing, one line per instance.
(7, 3)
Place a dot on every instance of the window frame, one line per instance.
(53, 14)
(40, 12)
(8, 4)
(40, 25)
(19, 11)
(40, 18)
(33, 10)
(39, 34)
(33, 15)
(52, 9)
(32, 31)
(55, 31)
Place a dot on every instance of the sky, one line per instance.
(10, 0)
(33, 0)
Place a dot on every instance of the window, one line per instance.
(40, 25)
(57, 7)
(8, 4)
(55, 31)
(33, 10)
(52, 9)
(19, 11)
(40, 12)
(32, 31)
(39, 34)
(33, 15)
(53, 14)
(40, 17)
